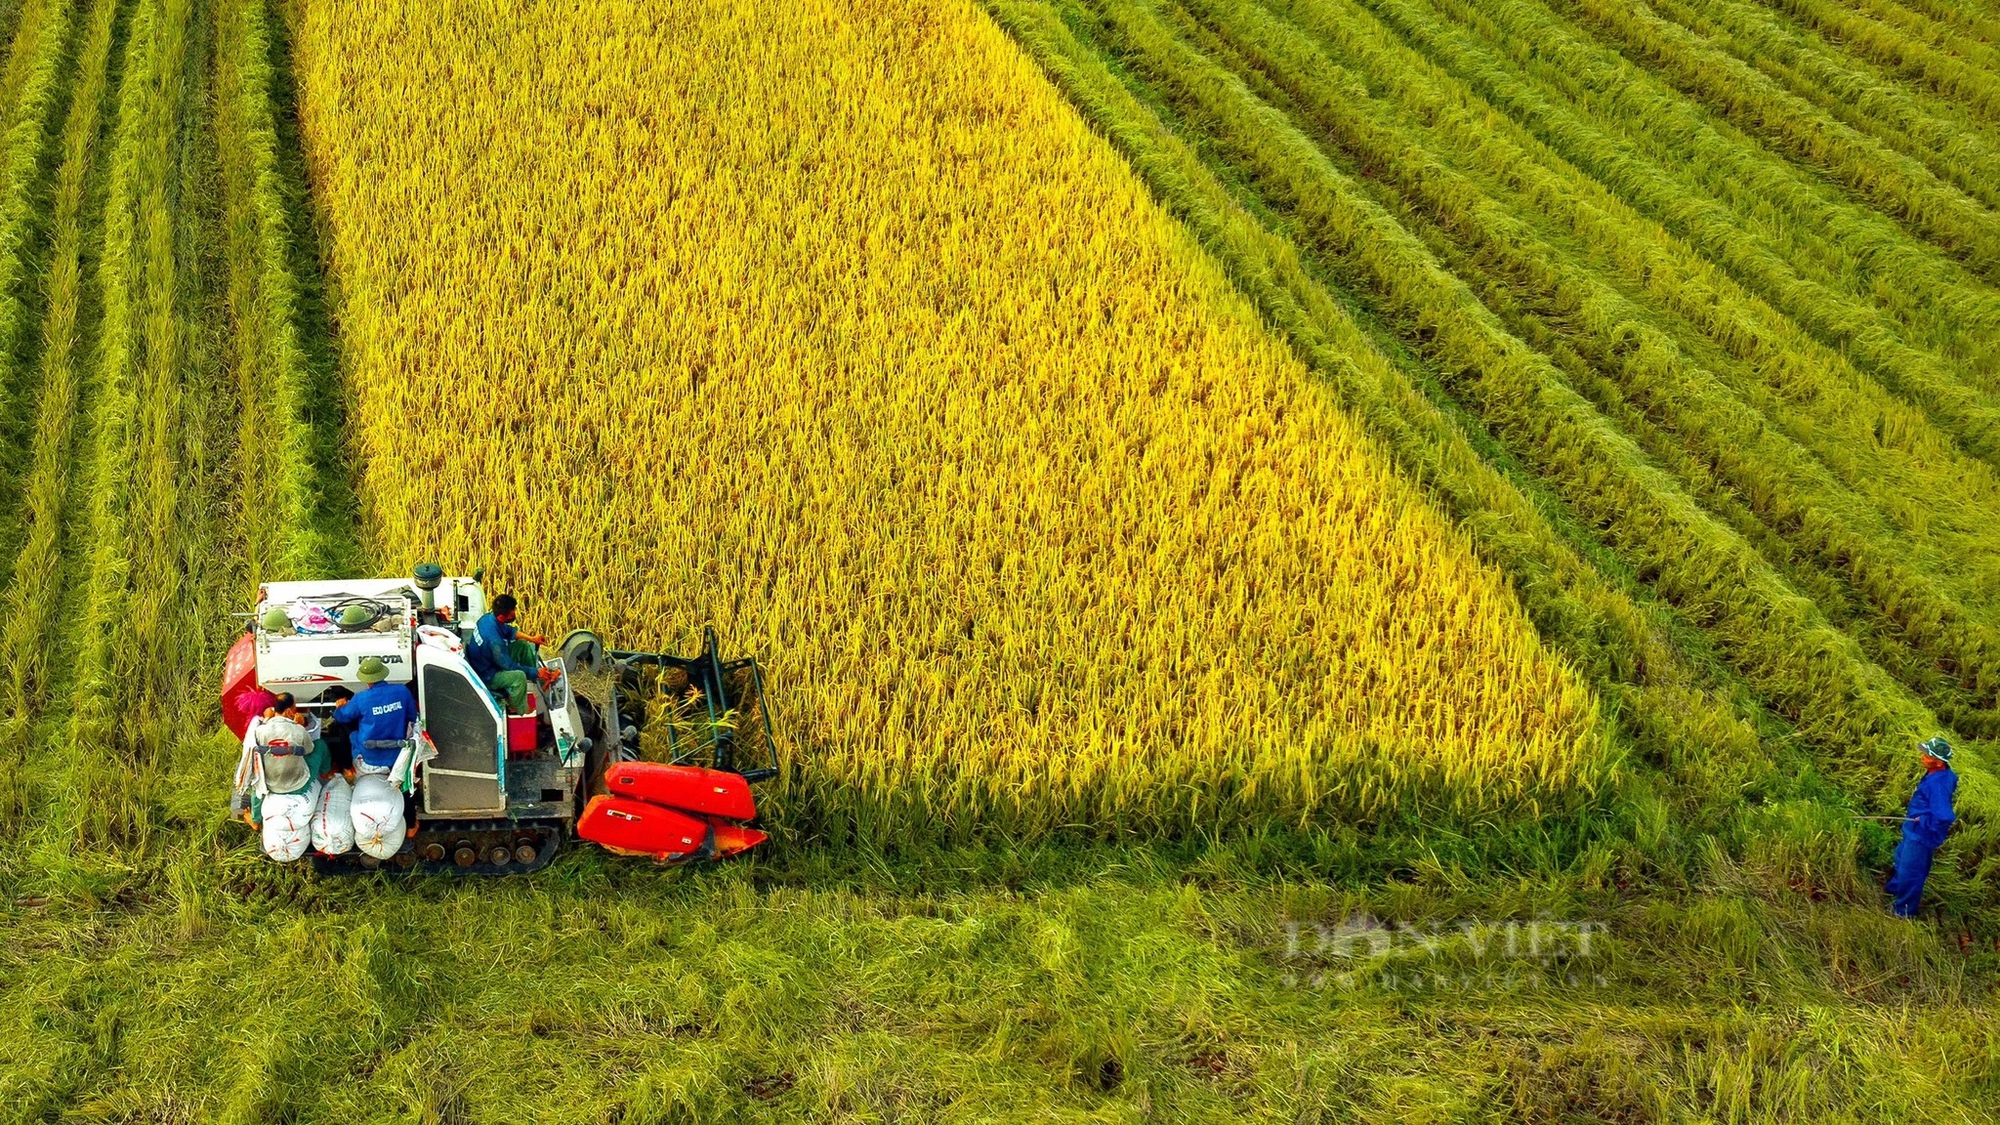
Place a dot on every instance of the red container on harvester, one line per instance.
(521, 735)
(521, 738)
(710, 792)
(631, 827)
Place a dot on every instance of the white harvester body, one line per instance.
(478, 763)
(493, 792)
(309, 663)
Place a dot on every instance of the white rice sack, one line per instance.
(333, 819)
(288, 824)
(446, 639)
(377, 810)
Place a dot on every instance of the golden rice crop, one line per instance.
(829, 322)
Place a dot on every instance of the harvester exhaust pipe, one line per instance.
(427, 577)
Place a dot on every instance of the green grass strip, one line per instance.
(762, 996)
(284, 495)
(26, 633)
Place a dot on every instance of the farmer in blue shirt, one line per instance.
(381, 716)
(1924, 827)
(502, 656)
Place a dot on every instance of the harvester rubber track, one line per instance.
(438, 849)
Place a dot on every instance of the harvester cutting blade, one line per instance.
(730, 839)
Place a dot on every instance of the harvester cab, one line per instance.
(644, 753)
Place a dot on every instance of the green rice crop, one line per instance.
(1952, 49)
(1956, 145)
(1841, 270)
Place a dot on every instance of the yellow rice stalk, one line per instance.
(828, 321)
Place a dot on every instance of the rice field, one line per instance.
(833, 325)
(1122, 427)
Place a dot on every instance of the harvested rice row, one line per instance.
(1869, 170)
(1834, 468)
(124, 631)
(36, 588)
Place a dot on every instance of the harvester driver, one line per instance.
(504, 656)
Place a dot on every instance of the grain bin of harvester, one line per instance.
(643, 753)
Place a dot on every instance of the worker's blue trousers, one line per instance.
(1913, 866)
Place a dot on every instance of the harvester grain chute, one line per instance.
(643, 753)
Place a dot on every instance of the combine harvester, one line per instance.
(499, 793)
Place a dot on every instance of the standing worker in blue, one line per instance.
(503, 656)
(1925, 825)
(382, 717)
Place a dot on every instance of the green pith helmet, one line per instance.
(1936, 747)
(373, 671)
(276, 620)
(356, 617)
